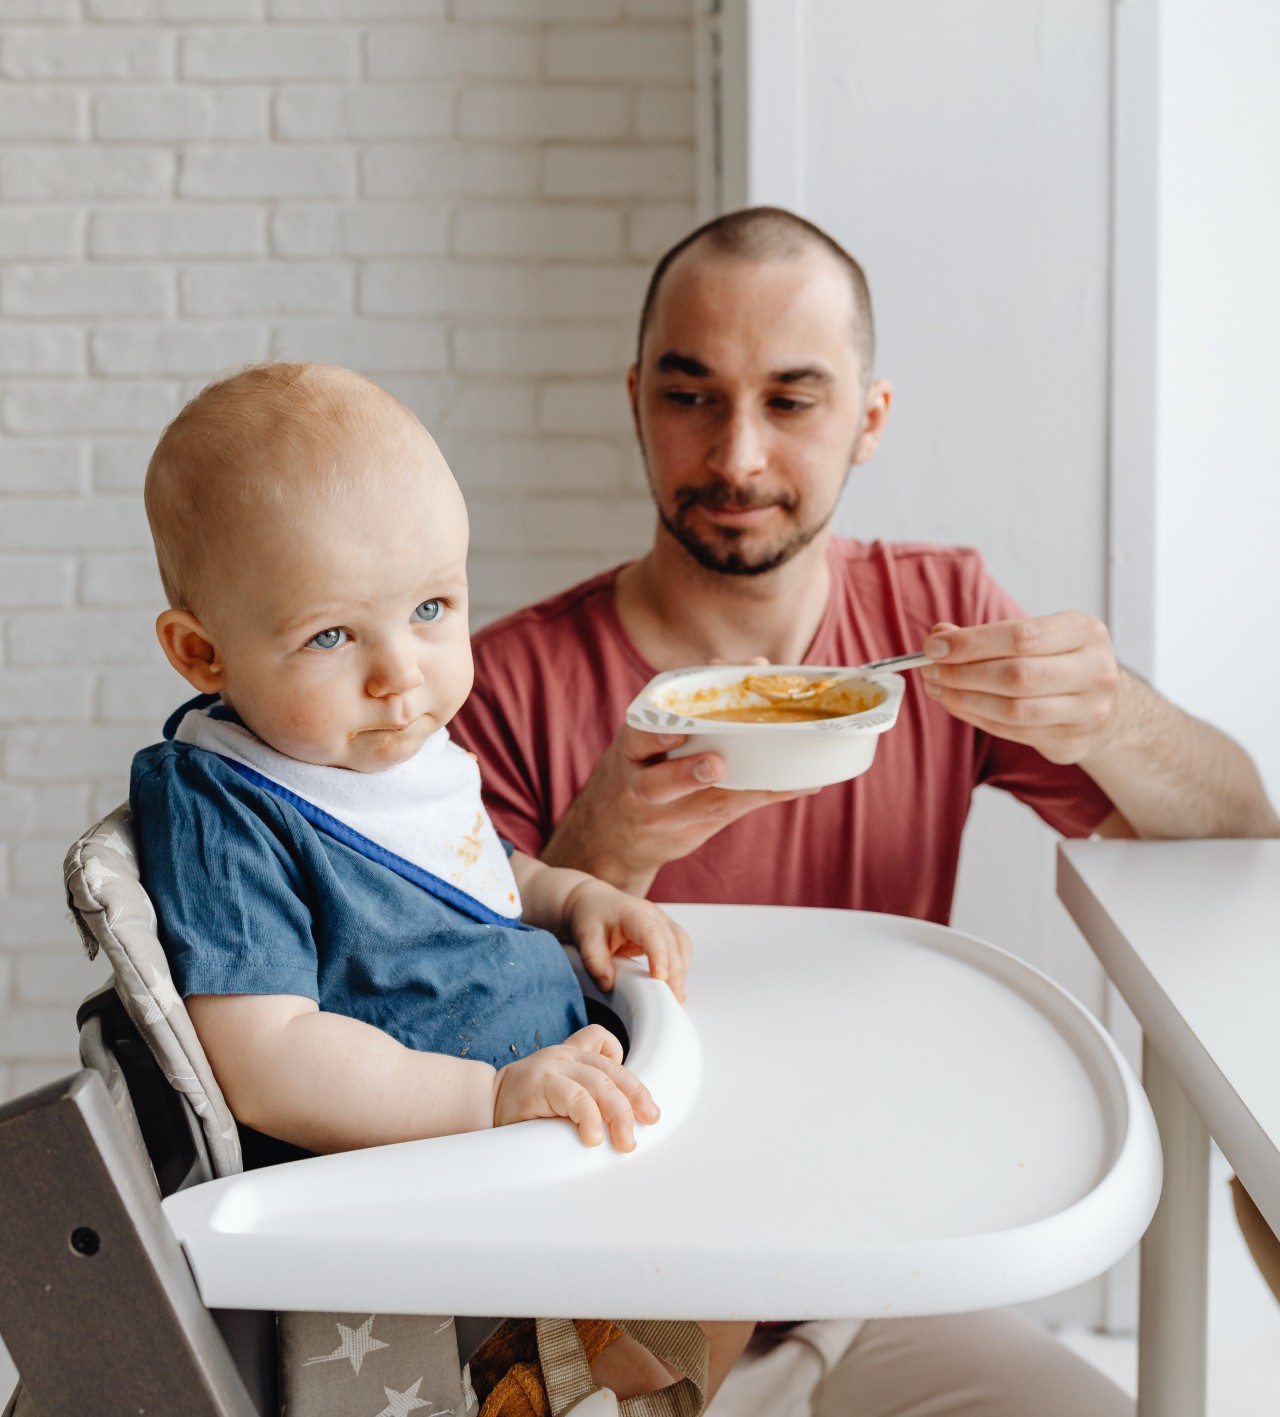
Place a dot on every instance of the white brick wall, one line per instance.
(460, 197)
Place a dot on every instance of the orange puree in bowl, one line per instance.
(736, 703)
(775, 713)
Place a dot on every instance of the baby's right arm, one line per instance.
(331, 1083)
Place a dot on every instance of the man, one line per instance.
(753, 395)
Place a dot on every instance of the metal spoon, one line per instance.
(791, 688)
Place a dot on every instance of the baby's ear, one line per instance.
(189, 649)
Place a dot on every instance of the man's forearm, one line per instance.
(1172, 775)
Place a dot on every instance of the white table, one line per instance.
(864, 1115)
(1189, 932)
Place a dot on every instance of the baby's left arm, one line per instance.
(602, 921)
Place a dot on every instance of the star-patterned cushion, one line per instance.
(391, 1365)
(114, 914)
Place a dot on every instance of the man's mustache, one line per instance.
(721, 498)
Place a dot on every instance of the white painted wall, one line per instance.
(962, 152)
(1217, 545)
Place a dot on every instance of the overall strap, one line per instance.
(570, 1386)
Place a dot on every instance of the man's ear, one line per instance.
(189, 649)
(633, 393)
(879, 397)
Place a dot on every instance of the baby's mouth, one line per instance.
(379, 728)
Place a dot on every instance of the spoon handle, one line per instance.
(898, 661)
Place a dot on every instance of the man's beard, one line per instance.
(719, 552)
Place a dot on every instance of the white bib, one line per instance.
(424, 814)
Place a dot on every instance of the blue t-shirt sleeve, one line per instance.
(221, 868)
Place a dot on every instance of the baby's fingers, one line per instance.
(594, 1039)
(592, 1100)
(668, 948)
(681, 954)
(569, 1098)
(619, 1093)
(638, 1096)
(593, 945)
(664, 946)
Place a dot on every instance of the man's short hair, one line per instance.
(771, 234)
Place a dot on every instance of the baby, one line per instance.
(361, 959)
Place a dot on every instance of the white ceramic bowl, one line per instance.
(776, 757)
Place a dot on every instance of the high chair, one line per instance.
(144, 1121)
(862, 1115)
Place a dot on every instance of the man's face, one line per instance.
(750, 405)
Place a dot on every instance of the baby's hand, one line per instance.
(582, 1079)
(605, 921)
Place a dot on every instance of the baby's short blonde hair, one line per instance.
(250, 445)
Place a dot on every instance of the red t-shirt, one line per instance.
(553, 683)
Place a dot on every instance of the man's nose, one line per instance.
(740, 449)
(393, 669)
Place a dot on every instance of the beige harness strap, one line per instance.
(570, 1386)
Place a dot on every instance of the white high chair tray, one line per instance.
(863, 1115)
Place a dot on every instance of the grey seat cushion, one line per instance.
(114, 914)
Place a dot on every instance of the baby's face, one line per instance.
(341, 634)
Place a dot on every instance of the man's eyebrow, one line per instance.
(805, 373)
(673, 363)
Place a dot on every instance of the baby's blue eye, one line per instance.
(327, 639)
(429, 610)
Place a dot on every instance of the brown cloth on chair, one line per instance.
(1258, 1235)
(507, 1375)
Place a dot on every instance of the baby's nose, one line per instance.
(394, 671)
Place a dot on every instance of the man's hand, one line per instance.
(1050, 682)
(1053, 683)
(605, 922)
(640, 809)
(582, 1079)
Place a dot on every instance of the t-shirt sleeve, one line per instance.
(1064, 796)
(229, 894)
(491, 728)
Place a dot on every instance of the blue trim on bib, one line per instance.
(213, 702)
(340, 831)
(201, 701)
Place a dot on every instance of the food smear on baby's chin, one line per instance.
(739, 703)
(389, 729)
(383, 738)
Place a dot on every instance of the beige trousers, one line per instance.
(994, 1364)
